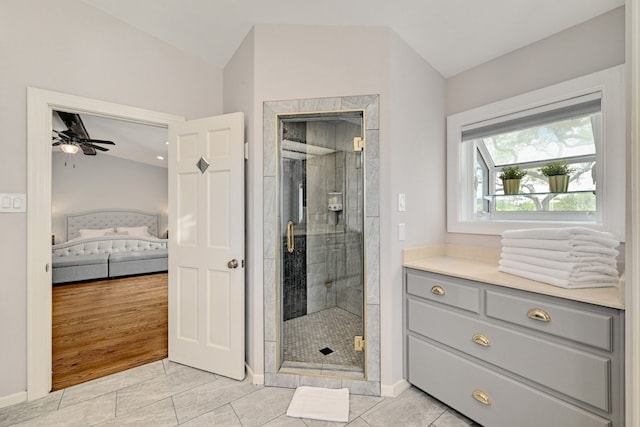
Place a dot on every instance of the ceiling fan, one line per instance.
(75, 137)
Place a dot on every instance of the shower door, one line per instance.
(321, 248)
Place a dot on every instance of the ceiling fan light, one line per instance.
(69, 148)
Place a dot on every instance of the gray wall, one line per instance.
(337, 61)
(412, 162)
(239, 87)
(585, 48)
(105, 182)
(70, 47)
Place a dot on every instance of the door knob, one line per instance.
(233, 263)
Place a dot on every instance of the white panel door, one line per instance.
(206, 244)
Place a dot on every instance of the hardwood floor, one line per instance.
(107, 326)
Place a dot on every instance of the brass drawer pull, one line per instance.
(481, 340)
(481, 397)
(437, 290)
(538, 314)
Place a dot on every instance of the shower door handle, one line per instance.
(290, 241)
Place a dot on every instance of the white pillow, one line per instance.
(116, 233)
(86, 233)
(143, 230)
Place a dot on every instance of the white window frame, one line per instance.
(610, 154)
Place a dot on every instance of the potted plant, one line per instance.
(511, 176)
(558, 174)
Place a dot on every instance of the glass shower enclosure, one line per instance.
(321, 252)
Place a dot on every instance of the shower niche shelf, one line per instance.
(335, 201)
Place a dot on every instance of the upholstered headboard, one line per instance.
(110, 218)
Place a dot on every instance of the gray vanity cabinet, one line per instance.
(506, 357)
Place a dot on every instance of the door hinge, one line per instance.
(358, 343)
(246, 151)
(358, 143)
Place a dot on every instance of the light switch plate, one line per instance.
(13, 202)
(402, 202)
(402, 232)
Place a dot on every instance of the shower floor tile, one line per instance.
(304, 338)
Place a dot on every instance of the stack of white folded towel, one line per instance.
(574, 257)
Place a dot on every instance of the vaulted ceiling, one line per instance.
(452, 35)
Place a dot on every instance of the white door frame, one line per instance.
(40, 106)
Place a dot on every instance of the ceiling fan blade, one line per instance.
(69, 134)
(57, 143)
(61, 136)
(96, 141)
(87, 150)
(74, 124)
(97, 147)
(77, 134)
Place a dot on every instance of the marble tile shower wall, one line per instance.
(370, 230)
(335, 277)
(350, 287)
(329, 282)
(294, 175)
(294, 277)
(321, 178)
(294, 268)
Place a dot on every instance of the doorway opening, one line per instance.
(41, 104)
(321, 187)
(109, 207)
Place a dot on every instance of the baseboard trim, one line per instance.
(394, 390)
(12, 399)
(257, 379)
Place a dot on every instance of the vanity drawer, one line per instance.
(486, 396)
(443, 290)
(573, 372)
(582, 326)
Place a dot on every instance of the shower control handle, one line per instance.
(290, 240)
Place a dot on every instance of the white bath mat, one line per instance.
(326, 404)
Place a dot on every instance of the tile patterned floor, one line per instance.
(335, 328)
(168, 394)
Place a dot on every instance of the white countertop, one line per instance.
(481, 264)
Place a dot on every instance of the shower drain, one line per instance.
(326, 351)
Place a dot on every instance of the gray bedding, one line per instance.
(123, 251)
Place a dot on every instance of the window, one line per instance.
(580, 123)
(567, 131)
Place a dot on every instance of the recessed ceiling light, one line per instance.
(160, 158)
(167, 142)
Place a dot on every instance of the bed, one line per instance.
(109, 243)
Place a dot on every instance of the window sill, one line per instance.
(544, 194)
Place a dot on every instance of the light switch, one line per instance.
(402, 232)
(13, 202)
(402, 202)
